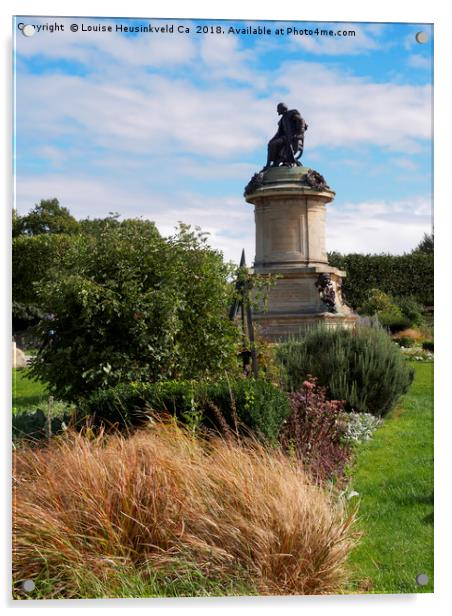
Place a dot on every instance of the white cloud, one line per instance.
(222, 58)
(123, 109)
(55, 156)
(164, 115)
(378, 226)
(346, 111)
(211, 169)
(228, 220)
(418, 61)
(376, 29)
(365, 227)
(405, 163)
(141, 126)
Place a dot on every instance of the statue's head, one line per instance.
(281, 108)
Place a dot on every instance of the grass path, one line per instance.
(393, 474)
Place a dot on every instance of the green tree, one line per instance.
(17, 224)
(426, 245)
(128, 306)
(96, 226)
(48, 216)
(33, 259)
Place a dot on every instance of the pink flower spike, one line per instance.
(308, 384)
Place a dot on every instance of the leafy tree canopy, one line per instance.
(95, 226)
(426, 245)
(127, 305)
(34, 257)
(40, 240)
(48, 216)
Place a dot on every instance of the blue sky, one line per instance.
(171, 127)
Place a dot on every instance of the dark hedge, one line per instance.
(409, 275)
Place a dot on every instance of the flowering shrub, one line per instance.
(315, 431)
(416, 354)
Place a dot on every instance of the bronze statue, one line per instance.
(286, 147)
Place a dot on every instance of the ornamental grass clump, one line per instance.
(85, 505)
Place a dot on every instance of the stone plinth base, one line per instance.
(290, 212)
(279, 327)
(301, 298)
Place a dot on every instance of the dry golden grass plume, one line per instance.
(163, 494)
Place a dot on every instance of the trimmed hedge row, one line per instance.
(259, 405)
(409, 275)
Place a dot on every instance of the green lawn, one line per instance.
(393, 474)
(32, 409)
(179, 580)
(26, 393)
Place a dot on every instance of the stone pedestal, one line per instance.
(290, 244)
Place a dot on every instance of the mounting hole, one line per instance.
(422, 579)
(28, 585)
(421, 37)
(28, 30)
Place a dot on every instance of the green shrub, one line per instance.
(394, 320)
(389, 313)
(411, 309)
(47, 217)
(406, 341)
(34, 424)
(256, 405)
(428, 345)
(128, 305)
(362, 366)
(34, 258)
(376, 302)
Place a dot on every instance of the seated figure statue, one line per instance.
(286, 147)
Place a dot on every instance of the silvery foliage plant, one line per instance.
(359, 427)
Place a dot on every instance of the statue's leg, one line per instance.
(269, 155)
(299, 152)
(285, 155)
(274, 146)
(271, 152)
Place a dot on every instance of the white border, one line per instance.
(435, 11)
